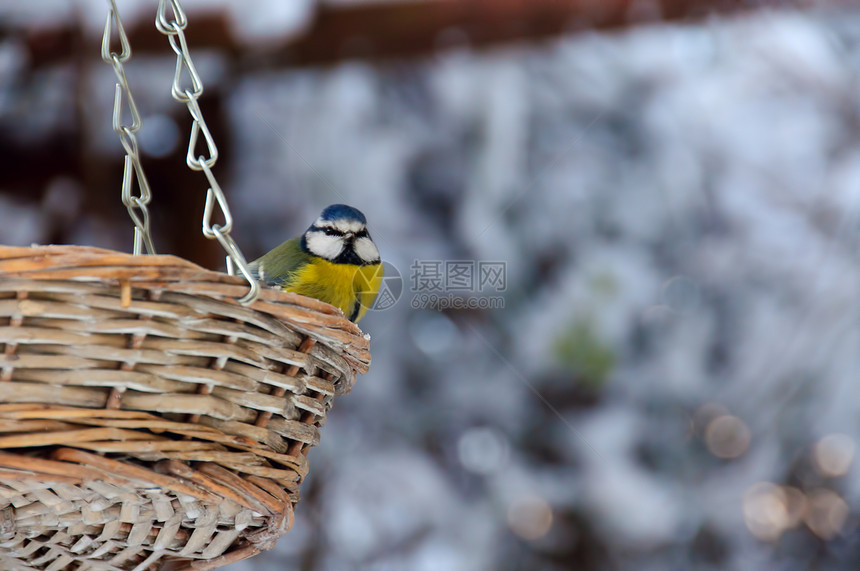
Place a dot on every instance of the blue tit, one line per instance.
(334, 261)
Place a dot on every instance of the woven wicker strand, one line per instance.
(147, 420)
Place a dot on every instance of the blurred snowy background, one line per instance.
(673, 380)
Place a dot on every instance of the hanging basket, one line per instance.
(147, 420)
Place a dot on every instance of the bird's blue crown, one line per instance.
(343, 212)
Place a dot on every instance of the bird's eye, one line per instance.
(330, 232)
(362, 233)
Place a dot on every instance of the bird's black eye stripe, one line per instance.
(332, 232)
(362, 234)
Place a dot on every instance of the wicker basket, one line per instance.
(147, 420)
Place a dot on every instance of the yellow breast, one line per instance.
(350, 287)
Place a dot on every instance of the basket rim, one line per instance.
(314, 318)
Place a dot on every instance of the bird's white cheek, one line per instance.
(324, 246)
(366, 250)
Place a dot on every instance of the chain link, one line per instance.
(133, 168)
(174, 29)
(198, 125)
(163, 24)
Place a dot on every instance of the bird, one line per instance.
(335, 261)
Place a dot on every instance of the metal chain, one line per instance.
(133, 169)
(174, 30)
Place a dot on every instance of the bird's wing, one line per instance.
(278, 265)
